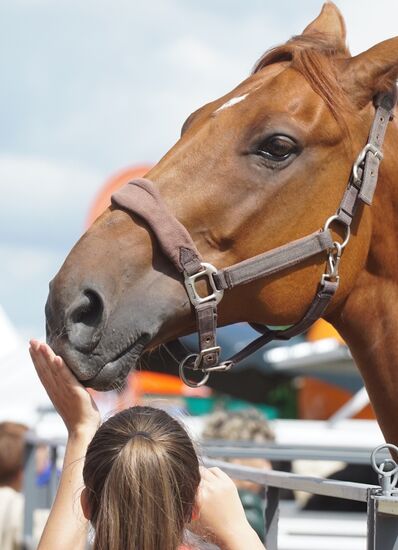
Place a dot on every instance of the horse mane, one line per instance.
(313, 55)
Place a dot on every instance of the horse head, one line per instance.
(257, 168)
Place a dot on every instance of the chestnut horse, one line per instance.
(260, 167)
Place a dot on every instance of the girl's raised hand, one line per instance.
(70, 398)
(221, 513)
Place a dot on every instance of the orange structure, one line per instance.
(103, 198)
(322, 329)
(320, 400)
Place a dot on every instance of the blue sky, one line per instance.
(91, 87)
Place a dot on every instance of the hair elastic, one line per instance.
(143, 434)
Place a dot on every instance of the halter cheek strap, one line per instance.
(141, 197)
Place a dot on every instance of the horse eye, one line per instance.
(277, 148)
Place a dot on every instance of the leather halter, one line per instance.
(142, 197)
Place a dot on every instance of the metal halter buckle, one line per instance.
(369, 147)
(201, 355)
(190, 280)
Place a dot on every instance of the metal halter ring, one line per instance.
(183, 365)
(347, 235)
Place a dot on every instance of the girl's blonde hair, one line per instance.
(141, 473)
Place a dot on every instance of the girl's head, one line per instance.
(141, 475)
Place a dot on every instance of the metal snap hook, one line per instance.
(333, 262)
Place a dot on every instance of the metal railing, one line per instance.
(282, 452)
(382, 501)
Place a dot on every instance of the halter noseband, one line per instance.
(142, 197)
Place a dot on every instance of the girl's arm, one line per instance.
(66, 527)
(221, 513)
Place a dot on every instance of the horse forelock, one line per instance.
(314, 56)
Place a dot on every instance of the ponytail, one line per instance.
(142, 474)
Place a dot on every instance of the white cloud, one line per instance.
(44, 201)
(43, 209)
(25, 176)
(24, 264)
(112, 84)
(24, 277)
(197, 57)
(367, 24)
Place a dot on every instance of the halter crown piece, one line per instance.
(142, 197)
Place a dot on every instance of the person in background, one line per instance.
(246, 425)
(12, 453)
(142, 482)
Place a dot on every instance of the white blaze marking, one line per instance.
(231, 102)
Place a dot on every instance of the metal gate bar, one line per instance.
(276, 451)
(382, 510)
(285, 480)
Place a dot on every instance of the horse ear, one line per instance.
(373, 71)
(330, 22)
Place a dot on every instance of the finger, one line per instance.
(42, 371)
(201, 491)
(48, 355)
(66, 373)
(219, 473)
(38, 359)
(52, 364)
(47, 351)
(206, 473)
(62, 366)
(216, 471)
(34, 344)
(58, 365)
(59, 362)
(34, 355)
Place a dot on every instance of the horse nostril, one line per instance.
(85, 320)
(89, 310)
